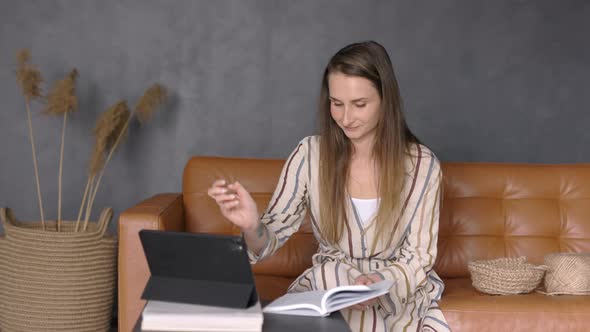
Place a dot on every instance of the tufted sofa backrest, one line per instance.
(511, 210)
(488, 211)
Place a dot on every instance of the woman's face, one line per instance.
(354, 105)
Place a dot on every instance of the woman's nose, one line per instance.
(346, 117)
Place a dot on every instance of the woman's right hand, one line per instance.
(366, 279)
(236, 204)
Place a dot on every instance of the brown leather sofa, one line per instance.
(489, 211)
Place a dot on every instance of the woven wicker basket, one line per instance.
(56, 281)
(505, 276)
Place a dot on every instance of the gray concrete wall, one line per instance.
(503, 81)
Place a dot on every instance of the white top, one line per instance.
(366, 208)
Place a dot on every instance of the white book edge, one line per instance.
(200, 318)
(294, 307)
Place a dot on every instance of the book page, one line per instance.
(304, 300)
(322, 303)
(341, 299)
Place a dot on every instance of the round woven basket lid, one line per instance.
(568, 273)
(505, 276)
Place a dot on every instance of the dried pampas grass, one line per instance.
(146, 106)
(62, 97)
(151, 99)
(29, 78)
(27, 75)
(61, 101)
(109, 127)
(109, 132)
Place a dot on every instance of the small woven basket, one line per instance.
(56, 281)
(568, 273)
(505, 276)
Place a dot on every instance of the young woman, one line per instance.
(373, 193)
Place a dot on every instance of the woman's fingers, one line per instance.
(218, 187)
(238, 189)
(375, 277)
(361, 280)
(223, 198)
(220, 182)
(231, 204)
(364, 280)
(228, 209)
(214, 191)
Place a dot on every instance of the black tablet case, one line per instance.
(198, 268)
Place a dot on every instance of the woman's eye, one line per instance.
(337, 104)
(360, 105)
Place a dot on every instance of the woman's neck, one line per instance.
(363, 148)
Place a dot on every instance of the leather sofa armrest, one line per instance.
(160, 212)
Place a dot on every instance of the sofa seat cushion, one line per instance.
(466, 309)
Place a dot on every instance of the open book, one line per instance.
(322, 303)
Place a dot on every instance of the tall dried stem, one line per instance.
(90, 179)
(62, 100)
(32, 138)
(61, 159)
(29, 79)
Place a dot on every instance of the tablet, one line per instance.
(198, 268)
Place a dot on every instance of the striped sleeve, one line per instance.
(415, 257)
(288, 205)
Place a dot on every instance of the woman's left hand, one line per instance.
(366, 279)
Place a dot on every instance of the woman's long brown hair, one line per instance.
(393, 139)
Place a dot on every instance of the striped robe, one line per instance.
(407, 257)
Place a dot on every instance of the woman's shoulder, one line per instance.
(420, 154)
(307, 147)
(309, 143)
(419, 150)
(313, 140)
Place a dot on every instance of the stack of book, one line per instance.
(171, 316)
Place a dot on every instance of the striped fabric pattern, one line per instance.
(407, 256)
